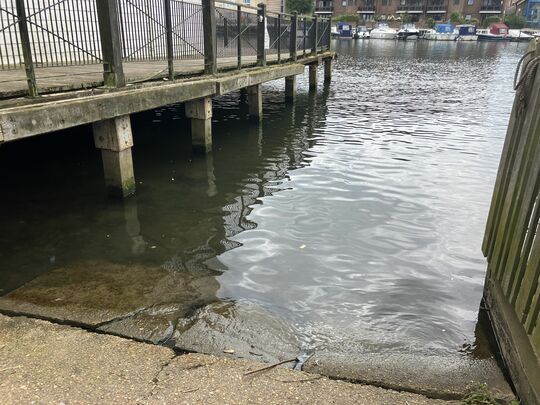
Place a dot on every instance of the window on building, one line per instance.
(384, 2)
(456, 2)
(468, 17)
(248, 2)
(470, 2)
(344, 3)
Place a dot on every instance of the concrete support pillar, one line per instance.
(200, 112)
(290, 88)
(114, 138)
(313, 76)
(327, 70)
(255, 102)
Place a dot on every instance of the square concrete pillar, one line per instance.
(200, 112)
(255, 102)
(313, 76)
(290, 88)
(114, 138)
(327, 70)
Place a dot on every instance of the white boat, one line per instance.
(361, 32)
(442, 32)
(519, 36)
(408, 32)
(383, 31)
(466, 32)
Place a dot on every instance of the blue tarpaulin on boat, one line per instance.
(444, 28)
(466, 30)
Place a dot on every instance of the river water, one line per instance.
(355, 215)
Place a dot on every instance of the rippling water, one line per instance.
(356, 215)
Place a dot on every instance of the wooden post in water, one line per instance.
(27, 50)
(261, 33)
(255, 102)
(313, 76)
(114, 138)
(292, 38)
(111, 48)
(290, 88)
(200, 112)
(210, 43)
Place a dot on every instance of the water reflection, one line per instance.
(355, 214)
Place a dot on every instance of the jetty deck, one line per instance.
(126, 56)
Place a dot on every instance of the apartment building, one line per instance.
(418, 10)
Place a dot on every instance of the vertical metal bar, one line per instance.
(292, 39)
(314, 34)
(261, 32)
(279, 38)
(113, 73)
(168, 28)
(225, 33)
(329, 33)
(210, 40)
(27, 50)
(304, 36)
(238, 35)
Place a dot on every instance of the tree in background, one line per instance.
(301, 6)
(430, 22)
(515, 21)
(406, 18)
(491, 20)
(456, 18)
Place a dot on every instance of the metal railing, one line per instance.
(491, 7)
(50, 33)
(411, 7)
(436, 6)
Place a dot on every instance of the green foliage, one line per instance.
(430, 22)
(515, 21)
(480, 395)
(456, 18)
(406, 18)
(491, 20)
(350, 18)
(474, 21)
(301, 6)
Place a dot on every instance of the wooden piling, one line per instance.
(313, 76)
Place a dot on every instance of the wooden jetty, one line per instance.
(98, 61)
(512, 238)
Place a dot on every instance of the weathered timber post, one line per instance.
(261, 32)
(114, 138)
(255, 102)
(113, 72)
(200, 112)
(169, 39)
(314, 33)
(239, 35)
(210, 42)
(313, 76)
(290, 88)
(328, 70)
(329, 33)
(294, 33)
(27, 50)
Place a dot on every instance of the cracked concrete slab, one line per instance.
(437, 376)
(46, 363)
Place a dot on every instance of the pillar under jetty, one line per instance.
(290, 88)
(313, 76)
(200, 112)
(114, 138)
(327, 70)
(255, 102)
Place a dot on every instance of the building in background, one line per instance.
(418, 10)
(530, 9)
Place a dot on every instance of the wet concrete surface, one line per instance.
(46, 363)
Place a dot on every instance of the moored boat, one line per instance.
(383, 31)
(496, 32)
(408, 32)
(519, 36)
(344, 30)
(466, 32)
(442, 32)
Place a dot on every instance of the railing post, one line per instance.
(169, 38)
(210, 43)
(329, 32)
(304, 35)
(314, 34)
(239, 35)
(261, 33)
(113, 72)
(278, 29)
(225, 33)
(294, 33)
(27, 50)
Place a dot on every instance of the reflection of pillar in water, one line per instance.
(212, 188)
(133, 227)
